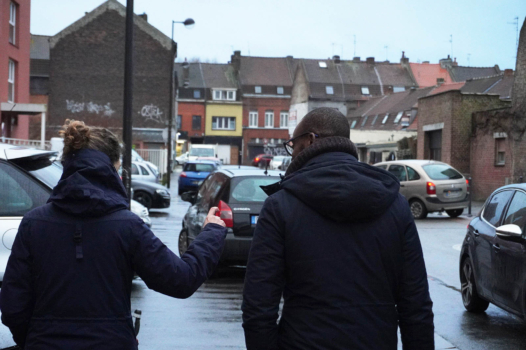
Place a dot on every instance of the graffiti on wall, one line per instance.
(275, 150)
(152, 112)
(90, 107)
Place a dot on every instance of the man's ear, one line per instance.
(312, 138)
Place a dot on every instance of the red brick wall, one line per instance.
(187, 110)
(277, 105)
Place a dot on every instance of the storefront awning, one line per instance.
(23, 108)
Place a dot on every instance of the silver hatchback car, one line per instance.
(430, 186)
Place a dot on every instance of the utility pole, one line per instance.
(128, 99)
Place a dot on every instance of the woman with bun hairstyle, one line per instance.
(68, 281)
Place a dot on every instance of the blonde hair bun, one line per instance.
(76, 134)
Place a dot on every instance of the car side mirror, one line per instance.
(509, 231)
(189, 197)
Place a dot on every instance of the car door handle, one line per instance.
(496, 247)
(476, 233)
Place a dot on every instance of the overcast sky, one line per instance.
(481, 29)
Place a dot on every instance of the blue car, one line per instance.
(194, 172)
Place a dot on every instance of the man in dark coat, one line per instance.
(68, 281)
(339, 243)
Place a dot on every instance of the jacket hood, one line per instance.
(90, 185)
(340, 188)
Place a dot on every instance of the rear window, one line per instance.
(441, 172)
(198, 168)
(246, 189)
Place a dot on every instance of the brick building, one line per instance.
(39, 79)
(15, 41)
(87, 74)
(266, 86)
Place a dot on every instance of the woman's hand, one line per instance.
(211, 218)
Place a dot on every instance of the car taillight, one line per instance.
(183, 174)
(225, 214)
(257, 159)
(431, 188)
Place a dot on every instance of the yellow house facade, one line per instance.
(224, 119)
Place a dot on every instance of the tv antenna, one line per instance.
(386, 52)
(516, 24)
(451, 42)
(469, 55)
(354, 46)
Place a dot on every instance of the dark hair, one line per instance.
(78, 135)
(326, 122)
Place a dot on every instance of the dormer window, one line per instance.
(329, 90)
(322, 64)
(225, 95)
(365, 90)
(257, 89)
(280, 90)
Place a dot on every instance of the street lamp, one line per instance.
(188, 23)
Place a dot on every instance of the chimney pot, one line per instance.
(356, 59)
(144, 16)
(425, 62)
(508, 72)
(336, 58)
(290, 57)
(370, 60)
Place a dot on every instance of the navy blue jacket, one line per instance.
(68, 281)
(339, 243)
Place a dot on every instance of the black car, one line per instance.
(239, 197)
(151, 195)
(493, 255)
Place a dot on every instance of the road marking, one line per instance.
(457, 247)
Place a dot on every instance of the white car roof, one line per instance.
(8, 151)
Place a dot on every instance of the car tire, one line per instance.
(470, 297)
(418, 209)
(454, 213)
(143, 198)
(183, 241)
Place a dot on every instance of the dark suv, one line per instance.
(493, 259)
(239, 197)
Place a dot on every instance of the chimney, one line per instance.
(356, 59)
(508, 72)
(446, 62)
(290, 57)
(440, 81)
(236, 61)
(144, 16)
(370, 60)
(186, 74)
(455, 63)
(404, 59)
(336, 59)
(425, 62)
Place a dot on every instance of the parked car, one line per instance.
(150, 194)
(194, 172)
(492, 258)
(27, 178)
(239, 197)
(182, 159)
(285, 165)
(276, 162)
(262, 160)
(137, 158)
(430, 186)
(142, 172)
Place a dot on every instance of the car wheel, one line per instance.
(143, 198)
(471, 299)
(183, 241)
(454, 213)
(418, 209)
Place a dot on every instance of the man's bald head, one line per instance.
(325, 122)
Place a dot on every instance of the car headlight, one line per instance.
(162, 192)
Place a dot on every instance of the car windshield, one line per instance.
(199, 167)
(44, 169)
(202, 152)
(441, 172)
(247, 189)
(136, 156)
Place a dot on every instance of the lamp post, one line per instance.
(128, 98)
(188, 23)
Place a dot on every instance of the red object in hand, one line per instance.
(225, 213)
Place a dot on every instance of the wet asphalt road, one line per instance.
(211, 318)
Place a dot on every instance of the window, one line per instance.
(500, 152)
(365, 90)
(399, 172)
(441, 172)
(495, 207)
(412, 175)
(383, 166)
(199, 167)
(179, 122)
(398, 117)
(284, 120)
(272, 141)
(353, 124)
(12, 23)
(226, 95)
(223, 123)
(398, 88)
(196, 122)
(197, 93)
(385, 119)
(11, 81)
(517, 211)
(248, 189)
(280, 90)
(329, 90)
(19, 192)
(144, 171)
(364, 121)
(374, 120)
(322, 64)
(269, 119)
(253, 119)
(257, 89)
(134, 169)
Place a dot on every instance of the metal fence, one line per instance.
(159, 157)
(26, 143)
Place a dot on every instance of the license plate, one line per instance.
(254, 219)
(195, 182)
(453, 193)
